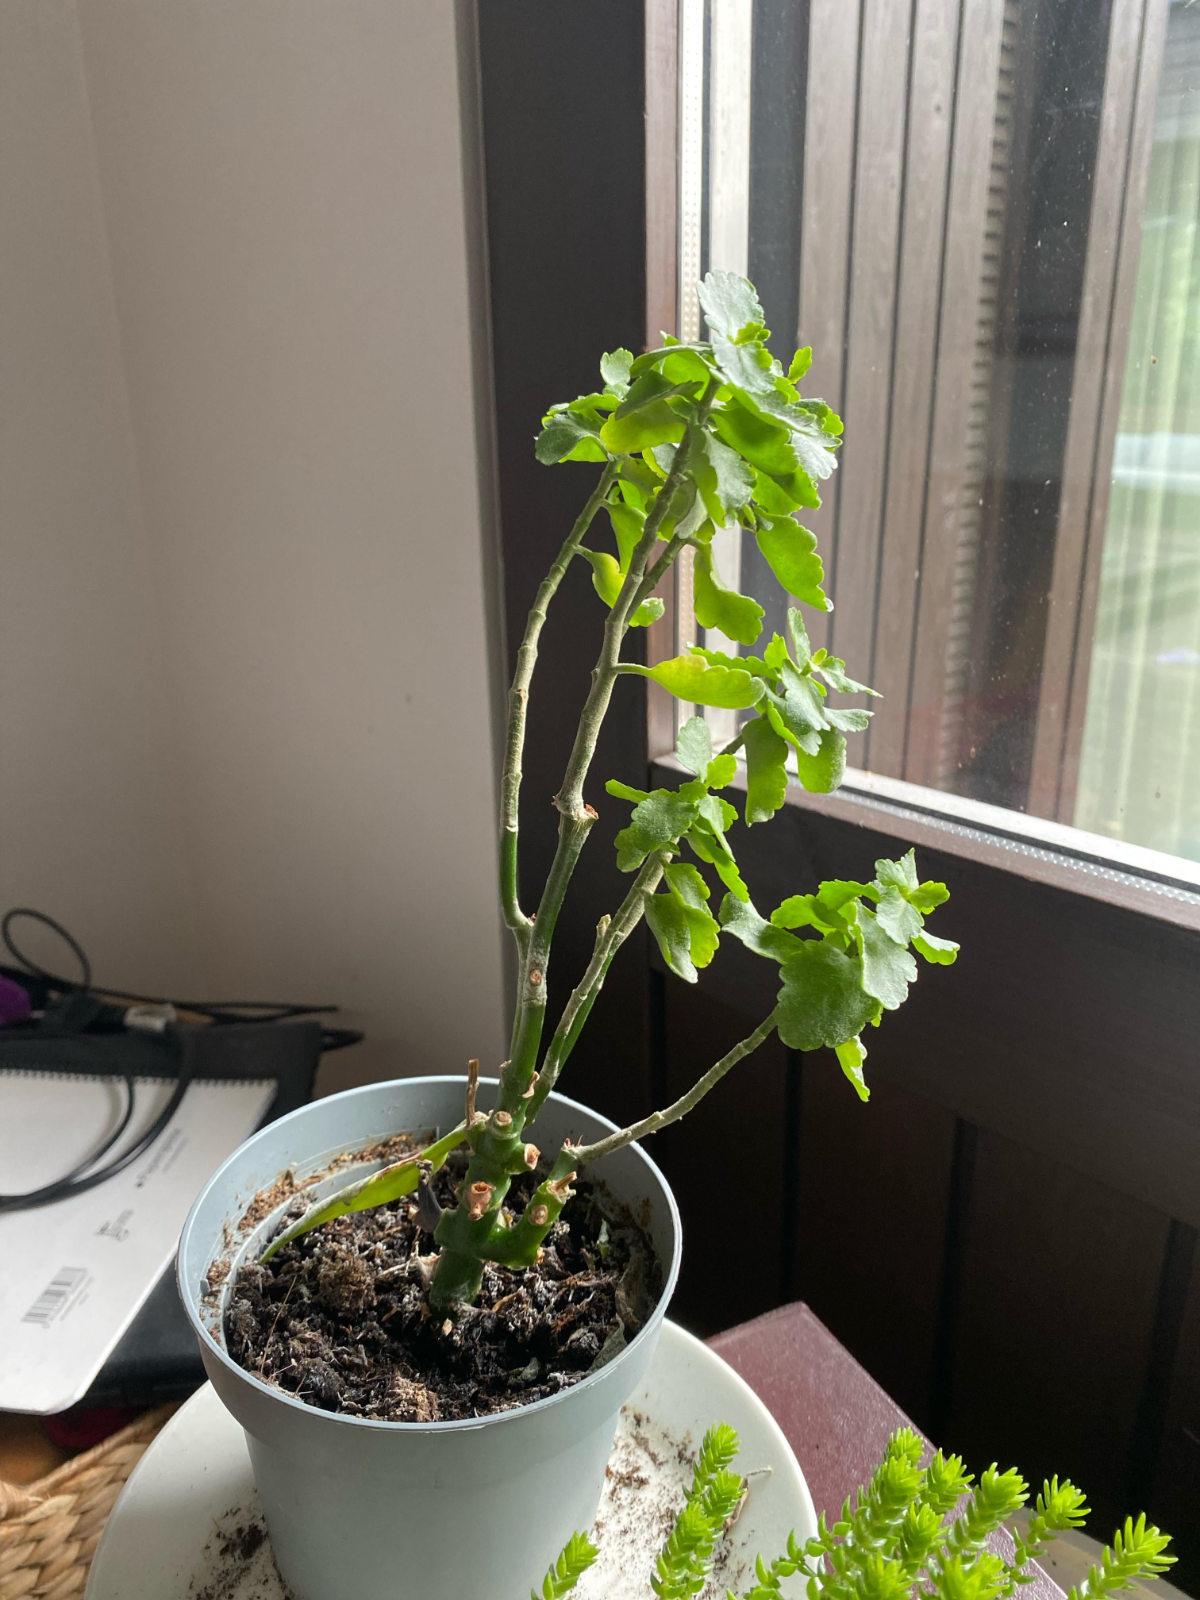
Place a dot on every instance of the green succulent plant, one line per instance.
(912, 1531)
(690, 438)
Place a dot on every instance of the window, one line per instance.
(982, 215)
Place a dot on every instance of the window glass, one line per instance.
(982, 216)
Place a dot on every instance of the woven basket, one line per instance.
(49, 1530)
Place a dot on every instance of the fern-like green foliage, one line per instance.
(910, 1533)
(1137, 1552)
(686, 1559)
(577, 1556)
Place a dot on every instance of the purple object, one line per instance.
(15, 1004)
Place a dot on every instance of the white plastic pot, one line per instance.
(366, 1510)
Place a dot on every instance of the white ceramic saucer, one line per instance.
(190, 1501)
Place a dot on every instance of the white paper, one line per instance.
(75, 1273)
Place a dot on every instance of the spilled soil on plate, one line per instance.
(340, 1317)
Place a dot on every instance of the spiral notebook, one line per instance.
(74, 1274)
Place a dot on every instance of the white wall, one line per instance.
(91, 829)
(282, 192)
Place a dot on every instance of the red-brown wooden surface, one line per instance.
(836, 1417)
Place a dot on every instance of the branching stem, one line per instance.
(518, 705)
(579, 1155)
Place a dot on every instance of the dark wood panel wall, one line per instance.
(1005, 1235)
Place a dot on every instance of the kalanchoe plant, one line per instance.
(689, 438)
(912, 1531)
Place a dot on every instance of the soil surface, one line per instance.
(340, 1317)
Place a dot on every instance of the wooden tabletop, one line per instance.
(836, 1417)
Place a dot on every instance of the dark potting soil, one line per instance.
(340, 1316)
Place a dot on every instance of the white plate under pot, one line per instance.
(172, 1535)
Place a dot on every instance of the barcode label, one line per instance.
(55, 1296)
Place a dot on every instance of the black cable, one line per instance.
(80, 1179)
(276, 1010)
(68, 1187)
(68, 939)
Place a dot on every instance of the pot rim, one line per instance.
(211, 1348)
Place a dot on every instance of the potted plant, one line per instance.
(350, 1441)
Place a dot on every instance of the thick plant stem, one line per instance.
(518, 703)
(578, 1155)
(576, 819)
(610, 936)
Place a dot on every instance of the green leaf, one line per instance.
(801, 649)
(685, 366)
(902, 873)
(607, 576)
(614, 369)
(763, 938)
(801, 362)
(628, 526)
(718, 813)
(887, 967)
(765, 445)
(831, 669)
(822, 773)
(929, 895)
(576, 1558)
(624, 792)
(644, 419)
(389, 1183)
(852, 1054)
(668, 922)
(775, 654)
(687, 884)
(566, 437)
(768, 495)
(898, 919)
(746, 366)
(691, 678)
(690, 889)
(608, 579)
(714, 849)
(721, 770)
(766, 770)
(737, 616)
(657, 820)
(799, 712)
(851, 720)
(725, 482)
(694, 745)
(654, 424)
(942, 951)
(729, 303)
(791, 553)
(824, 910)
(822, 1001)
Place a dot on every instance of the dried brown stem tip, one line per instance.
(472, 1086)
(478, 1196)
(560, 1187)
(502, 1120)
(539, 1215)
(531, 1156)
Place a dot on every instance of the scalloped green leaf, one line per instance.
(668, 922)
(822, 1002)
(691, 678)
(737, 616)
(766, 770)
(763, 938)
(823, 773)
